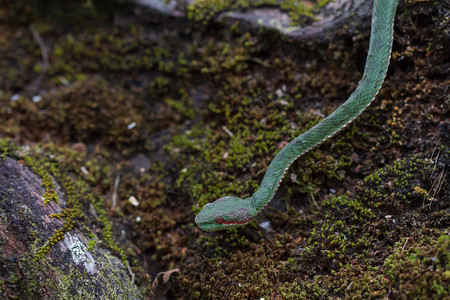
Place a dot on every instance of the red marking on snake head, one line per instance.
(220, 220)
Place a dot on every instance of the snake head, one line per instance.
(225, 213)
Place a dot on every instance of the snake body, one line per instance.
(229, 212)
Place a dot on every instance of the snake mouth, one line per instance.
(222, 221)
(203, 224)
(218, 223)
(199, 221)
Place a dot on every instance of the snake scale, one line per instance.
(230, 212)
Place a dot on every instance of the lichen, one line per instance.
(299, 11)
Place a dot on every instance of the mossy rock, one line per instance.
(45, 251)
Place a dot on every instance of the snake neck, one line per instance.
(377, 62)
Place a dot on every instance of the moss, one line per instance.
(107, 233)
(47, 181)
(223, 103)
(57, 236)
(7, 147)
(402, 185)
(90, 108)
(205, 10)
(299, 11)
(77, 194)
(337, 236)
(74, 283)
(349, 236)
(417, 268)
(255, 133)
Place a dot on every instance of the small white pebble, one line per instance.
(138, 219)
(84, 170)
(133, 200)
(131, 125)
(36, 98)
(279, 93)
(265, 225)
(293, 177)
(284, 102)
(15, 97)
(333, 191)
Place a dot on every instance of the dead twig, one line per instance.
(114, 195)
(131, 273)
(34, 87)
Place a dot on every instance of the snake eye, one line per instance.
(220, 220)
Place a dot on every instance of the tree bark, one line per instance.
(71, 269)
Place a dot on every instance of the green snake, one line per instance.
(230, 212)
